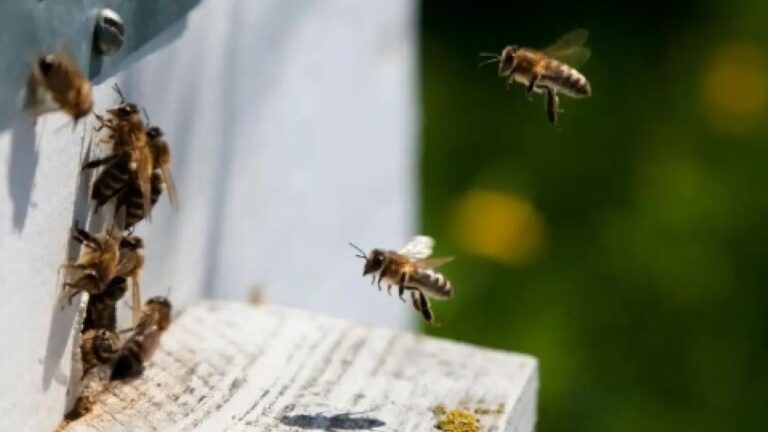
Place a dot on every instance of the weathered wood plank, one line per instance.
(235, 367)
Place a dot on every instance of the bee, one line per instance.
(550, 71)
(410, 269)
(70, 90)
(97, 263)
(130, 161)
(101, 312)
(139, 348)
(98, 347)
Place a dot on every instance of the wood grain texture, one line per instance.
(236, 367)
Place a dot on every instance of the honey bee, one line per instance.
(67, 87)
(97, 263)
(101, 312)
(410, 269)
(139, 348)
(550, 71)
(98, 347)
(131, 159)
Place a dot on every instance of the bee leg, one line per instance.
(379, 282)
(532, 86)
(426, 311)
(553, 106)
(389, 289)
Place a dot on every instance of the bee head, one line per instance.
(154, 132)
(124, 110)
(46, 64)
(507, 60)
(374, 261)
(131, 243)
(163, 307)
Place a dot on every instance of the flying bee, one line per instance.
(129, 266)
(67, 87)
(550, 71)
(139, 348)
(98, 347)
(101, 312)
(97, 263)
(410, 269)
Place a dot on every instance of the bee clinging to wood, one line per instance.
(97, 263)
(58, 75)
(139, 348)
(410, 269)
(131, 159)
(551, 71)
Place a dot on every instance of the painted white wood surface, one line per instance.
(293, 125)
(293, 128)
(235, 367)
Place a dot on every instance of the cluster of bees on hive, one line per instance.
(131, 177)
(136, 172)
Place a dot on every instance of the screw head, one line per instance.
(109, 32)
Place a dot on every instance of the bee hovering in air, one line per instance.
(551, 71)
(139, 348)
(410, 269)
(97, 263)
(59, 77)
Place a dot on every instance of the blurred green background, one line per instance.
(627, 250)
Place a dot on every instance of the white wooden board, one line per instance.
(236, 367)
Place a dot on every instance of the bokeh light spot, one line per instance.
(500, 226)
(735, 86)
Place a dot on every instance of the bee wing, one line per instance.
(433, 262)
(420, 247)
(570, 48)
(144, 174)
(126, 264)
(136, 300)
(170, 187)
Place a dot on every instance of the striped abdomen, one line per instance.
(129, 362)
(565, 79)
(112, 180)
(101, 312)
(434, 284)
(133, 200)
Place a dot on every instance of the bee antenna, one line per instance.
(146, 116)
(495, 58)
(119, 92)
(362, 252)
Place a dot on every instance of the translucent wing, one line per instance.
(136, 300)
(170, 186)
(570, 48)
(419, 248)
(433, 262)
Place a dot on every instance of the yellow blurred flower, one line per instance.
(500, 226)
(735, 86)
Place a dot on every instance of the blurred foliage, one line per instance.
(627, 251)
